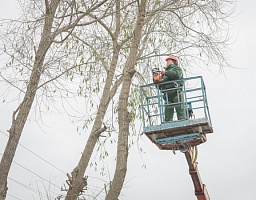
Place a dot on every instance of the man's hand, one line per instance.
(163, 72)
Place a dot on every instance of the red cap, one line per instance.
(172, 58)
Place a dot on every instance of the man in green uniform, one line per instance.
(172, 72)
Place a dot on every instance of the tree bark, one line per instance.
(123, 114)
(78, 182)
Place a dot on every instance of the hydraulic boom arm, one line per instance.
(200, 189)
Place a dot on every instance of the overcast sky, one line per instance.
(226, 162)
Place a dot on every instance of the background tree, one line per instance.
(33, 56)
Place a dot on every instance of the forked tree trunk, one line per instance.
(78, 182)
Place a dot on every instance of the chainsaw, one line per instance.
(157, 76)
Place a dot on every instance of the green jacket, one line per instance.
(173, 72)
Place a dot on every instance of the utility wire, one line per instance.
(34, 173)
(37, 155)
(31, 189)
(46, 162)
(13, 196)
(49, 162)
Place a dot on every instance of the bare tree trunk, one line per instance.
(123, 114)
(78, 182)
(18, 122)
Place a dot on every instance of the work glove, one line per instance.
(163, 72)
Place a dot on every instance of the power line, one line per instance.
(34, 173)
(43, 159)
(37, 155)
(29, 188)
(13, 196)
(46, 162)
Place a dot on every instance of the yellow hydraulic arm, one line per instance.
(200, 189)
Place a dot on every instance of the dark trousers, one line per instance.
(169, 109)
